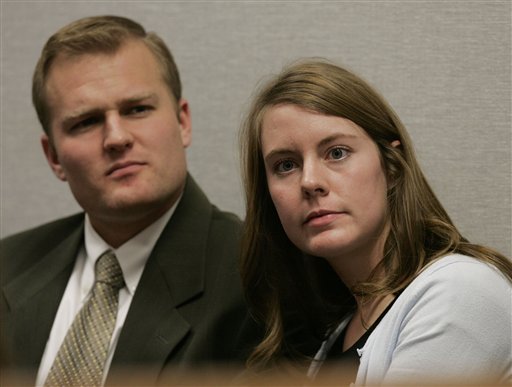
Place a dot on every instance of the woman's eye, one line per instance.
(284, 166)
(338, 153)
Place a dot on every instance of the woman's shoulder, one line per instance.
(458, 283)
(461, 270)
(456, 303)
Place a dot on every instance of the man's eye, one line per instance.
(284, 166)
(338, 153)
(139, 109)
(84, 124)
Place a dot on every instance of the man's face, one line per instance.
(118, 137)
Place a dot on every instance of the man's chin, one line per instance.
(129, 209)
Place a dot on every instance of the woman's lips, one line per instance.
(321, 217)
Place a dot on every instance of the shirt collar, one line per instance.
(133, 254)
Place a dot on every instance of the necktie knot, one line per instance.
(108, 270)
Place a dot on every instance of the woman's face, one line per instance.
(327, 182)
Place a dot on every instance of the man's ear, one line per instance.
(52, 157)
(185, 122)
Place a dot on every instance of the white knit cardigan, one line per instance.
(451, 325)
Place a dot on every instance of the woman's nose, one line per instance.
(313, 182)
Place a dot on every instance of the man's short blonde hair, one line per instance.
(97, 34)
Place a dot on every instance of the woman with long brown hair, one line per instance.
(346, 242)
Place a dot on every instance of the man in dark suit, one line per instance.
(108, 96)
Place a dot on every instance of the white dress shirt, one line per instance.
(132, 257)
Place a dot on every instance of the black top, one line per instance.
(349, 359)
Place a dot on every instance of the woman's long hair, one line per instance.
(284, 286)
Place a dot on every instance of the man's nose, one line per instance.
(117, 137)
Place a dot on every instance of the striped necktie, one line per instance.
(81, 358)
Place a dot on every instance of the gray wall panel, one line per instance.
(445, 66)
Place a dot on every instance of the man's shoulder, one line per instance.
(21, 251)
(34, 243)
(195, 204)
(226, 218)
(47, 232)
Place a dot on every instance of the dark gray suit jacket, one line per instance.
(188, 309)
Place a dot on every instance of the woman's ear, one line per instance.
(393, 166)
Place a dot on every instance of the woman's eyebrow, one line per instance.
(335, 137)
(279, 152)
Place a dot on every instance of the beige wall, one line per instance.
(445, 66)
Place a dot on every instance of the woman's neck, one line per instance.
(358, 264)
(367, 313)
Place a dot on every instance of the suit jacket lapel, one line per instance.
(34, 298)
(174, 274)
